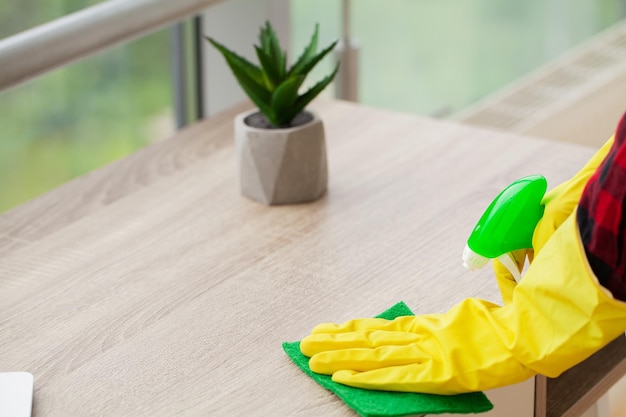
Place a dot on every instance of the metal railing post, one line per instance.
(62, 41)
(187, 72)
(347, 81)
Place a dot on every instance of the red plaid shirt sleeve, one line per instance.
(601, 217)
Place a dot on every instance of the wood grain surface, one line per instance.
(150, 287)
(577, 389)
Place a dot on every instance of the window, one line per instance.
(429, 56)
(78, 118)
(436, 57)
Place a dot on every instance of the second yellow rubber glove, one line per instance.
(559, 204)
(559, 316)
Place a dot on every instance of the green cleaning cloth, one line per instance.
(368, 403)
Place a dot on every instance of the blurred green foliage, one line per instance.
(435, 57)
(73, 120)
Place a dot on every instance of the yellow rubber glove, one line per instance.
(559, 204)
(559, 316)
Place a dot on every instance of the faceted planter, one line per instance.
(281, 165)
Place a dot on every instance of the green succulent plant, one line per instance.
(271, 86)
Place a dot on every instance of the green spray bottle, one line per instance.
(507, 225)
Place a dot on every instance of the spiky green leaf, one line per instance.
(253, 71)
(271, 87)
(284, 99)
(249, 77)
(271, 46)
(259, 99)
(308, 54)
(265, 37)
(303, 100)
(271, 74)
(308, 66)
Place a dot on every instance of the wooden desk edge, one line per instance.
(557, 397)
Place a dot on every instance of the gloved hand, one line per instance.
(559, 204)
(559, 315)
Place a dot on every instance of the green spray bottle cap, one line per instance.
(508, 224)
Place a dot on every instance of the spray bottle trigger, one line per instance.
(508, 261)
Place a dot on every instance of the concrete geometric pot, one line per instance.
(284, 165)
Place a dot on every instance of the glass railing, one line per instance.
(437, 57)
(426, 57)
(58, 124)
(88, 114)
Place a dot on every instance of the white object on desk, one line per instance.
(16, 394)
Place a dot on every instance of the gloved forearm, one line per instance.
(561, 303)
(562, 199)
(559, 316)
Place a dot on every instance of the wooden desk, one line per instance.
(151, 288)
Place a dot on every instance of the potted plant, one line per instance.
(281, 149)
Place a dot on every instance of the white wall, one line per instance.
(236, 24)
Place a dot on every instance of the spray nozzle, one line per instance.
(472, 260)
(507, 225)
